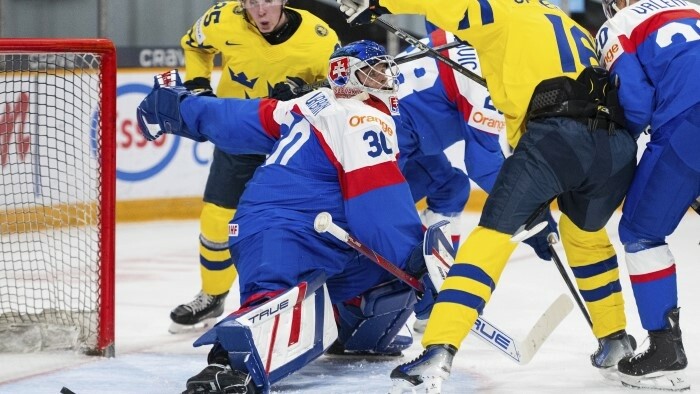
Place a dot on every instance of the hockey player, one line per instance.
(650, 48)
(537, 64)
(262, 43)
(329, 150)
(439, 107)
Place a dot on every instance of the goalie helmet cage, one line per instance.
(57, 195)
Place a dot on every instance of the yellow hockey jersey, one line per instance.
(250, 64)
(519, 43)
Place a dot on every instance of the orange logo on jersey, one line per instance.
(480, 118)
(357, 120)
(610, 54)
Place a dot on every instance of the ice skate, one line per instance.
(612, 349)
(426, 373)
(419, 325)
(220, 379)
(199, 314)
(661, 366)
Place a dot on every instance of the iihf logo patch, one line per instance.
(338, 71)
(233, 229)
(394, 104)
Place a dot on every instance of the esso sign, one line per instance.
(138, 158)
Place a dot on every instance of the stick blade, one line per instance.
(546, 324)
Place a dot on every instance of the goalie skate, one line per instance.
(197, 315)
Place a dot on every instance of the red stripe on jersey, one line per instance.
(296, 316)
(651, 25)
(267, 120)
(273, 337)
(447, 76)
(363, 180)
(327, 150)
(653, 275)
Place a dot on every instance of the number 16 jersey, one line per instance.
(519, 42)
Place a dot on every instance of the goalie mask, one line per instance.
(362, 69)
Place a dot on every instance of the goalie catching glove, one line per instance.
(159, 112)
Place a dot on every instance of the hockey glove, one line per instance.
(361, 12)
(200, 86)
(287, 90)
(424, 306)
(416, 266)
(539, 243)
(159, 112)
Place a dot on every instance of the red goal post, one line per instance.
(57, 194)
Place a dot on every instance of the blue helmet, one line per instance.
(363, 67)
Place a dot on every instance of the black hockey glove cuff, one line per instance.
(288, 90)
(200, 86)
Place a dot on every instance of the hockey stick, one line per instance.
(432, 52)
(551, 240)
(399, 60)
(529, 229)
(519, 351)
(324, 223)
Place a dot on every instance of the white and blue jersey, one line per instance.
(652, 50)
(439, 107)
(325, 154)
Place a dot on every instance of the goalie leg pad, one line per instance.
(372, 324)
(278, 336)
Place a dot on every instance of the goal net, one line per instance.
(57, 165)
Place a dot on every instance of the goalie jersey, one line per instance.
(652, 50)
(325, 154)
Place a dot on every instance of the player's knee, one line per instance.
(374, 320)
(635, 242)
(213, 222)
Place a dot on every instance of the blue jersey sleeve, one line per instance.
(236, 126)
(635, 91)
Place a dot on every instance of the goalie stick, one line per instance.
(519, 351)
(306, 88)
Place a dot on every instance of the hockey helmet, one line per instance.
(364, 67)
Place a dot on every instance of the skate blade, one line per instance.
(176, 328)
(419, 326)
(432, 385)
(664, 380)
(610, 373)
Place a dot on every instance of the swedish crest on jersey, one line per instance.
(321, 31)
